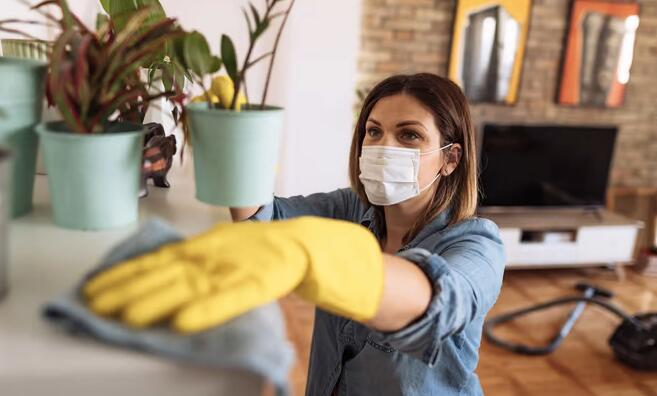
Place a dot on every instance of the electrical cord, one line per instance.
(591, 295)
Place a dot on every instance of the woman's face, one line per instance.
(403, 121)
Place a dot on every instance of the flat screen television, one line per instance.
(549, 166)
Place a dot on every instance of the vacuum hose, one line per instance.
(590, 295)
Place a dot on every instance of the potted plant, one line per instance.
(160, 117)
(93, 157)
(22, 86)
(235, 143)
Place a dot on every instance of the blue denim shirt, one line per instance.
(438, 353)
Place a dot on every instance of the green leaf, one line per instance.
(179, 75)
(120, 11)
(215, 64)
(178, 49)
(157, 11)
(101, 20)
(151, 73)
(167, 77)
(197, 54)
(248, 21)
(106, 5)
(260, 29)
(229, 57)
(256, 15)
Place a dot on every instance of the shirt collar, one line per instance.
(369, 221)
(372, 221)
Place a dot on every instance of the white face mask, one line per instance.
(390, 174)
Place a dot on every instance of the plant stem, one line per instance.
(273, 55)
(246, 91)
(240, 76)
(206, 93)
(245, 66)
(258, 59)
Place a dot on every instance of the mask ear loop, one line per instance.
(430, 184)
(438, 149)
(441, 169)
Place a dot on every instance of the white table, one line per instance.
(38, 359)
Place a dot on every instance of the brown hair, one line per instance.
(458, 191)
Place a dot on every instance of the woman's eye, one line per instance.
(373, 132)
(409, 136)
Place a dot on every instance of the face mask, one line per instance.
(390, 174)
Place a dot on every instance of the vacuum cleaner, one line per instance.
(634, 341)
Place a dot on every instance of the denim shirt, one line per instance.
(438, 353)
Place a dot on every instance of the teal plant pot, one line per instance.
(93, 179)
(25, 49)
(235, 154)
(22, 89)
(5, 162)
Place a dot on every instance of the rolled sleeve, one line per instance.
(466, 279)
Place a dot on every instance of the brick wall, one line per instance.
(405, 36)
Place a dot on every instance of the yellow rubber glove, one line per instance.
(233, 268)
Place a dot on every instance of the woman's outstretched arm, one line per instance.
(406, 295)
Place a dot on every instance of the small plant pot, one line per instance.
(25, 49)
(93, 179)
(5, 162)
(22, 86)
(235, 154)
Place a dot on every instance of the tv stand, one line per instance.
(596, 212)
(577, 237)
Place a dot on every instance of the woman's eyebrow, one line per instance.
(374, 121)
(410, 122)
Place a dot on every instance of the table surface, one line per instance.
(37, 359)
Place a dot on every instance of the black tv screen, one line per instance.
(545, 166)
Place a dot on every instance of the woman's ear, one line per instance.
(452, 159)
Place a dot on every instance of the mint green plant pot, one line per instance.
(22, 87)
(25, 49)
(235, 154)
(93, 179)
(5, 162)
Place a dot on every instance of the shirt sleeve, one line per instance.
(338, 204)
(466, 276)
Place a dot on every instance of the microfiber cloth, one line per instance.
(255, 341)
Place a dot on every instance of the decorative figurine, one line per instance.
(159, 150)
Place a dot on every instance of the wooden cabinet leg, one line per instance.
(619, 270)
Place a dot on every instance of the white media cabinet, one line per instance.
(565, 237)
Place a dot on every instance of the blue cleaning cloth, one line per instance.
(255, 341)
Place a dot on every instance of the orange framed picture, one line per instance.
(598, 55)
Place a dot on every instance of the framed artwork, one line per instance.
(488, 46)
(598, 54)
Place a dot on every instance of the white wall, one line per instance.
(314, 78)
(319, 74)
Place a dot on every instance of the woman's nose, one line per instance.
(388, 139)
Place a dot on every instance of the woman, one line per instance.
(403, 274)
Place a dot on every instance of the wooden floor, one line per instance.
(583, 365)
